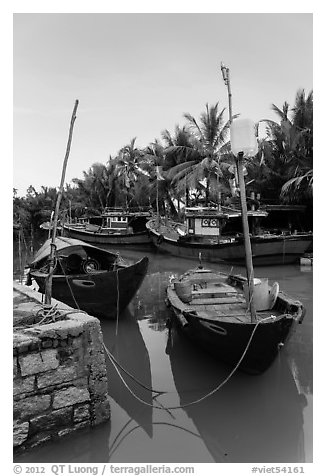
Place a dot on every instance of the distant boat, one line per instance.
(89, 278)
(116, 226)
(212, 309)
(201, 233)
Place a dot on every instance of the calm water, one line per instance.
(251, 419)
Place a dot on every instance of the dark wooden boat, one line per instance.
(115, 226)
(202, 234)
(212, 309)
(89, 278)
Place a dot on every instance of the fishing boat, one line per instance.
(115, 226)
(202, 233)
(212, 309)
(87, 277)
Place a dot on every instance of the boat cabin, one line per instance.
(204, 221)
(211, 221)
(119, 220)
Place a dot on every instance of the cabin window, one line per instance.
(209, 222)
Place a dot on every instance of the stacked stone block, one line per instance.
(59, 372)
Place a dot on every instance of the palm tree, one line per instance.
(95, 185)
(288, 149)
(161, 192)
(201, 159)
(129, 171)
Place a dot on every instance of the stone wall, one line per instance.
(59, 371)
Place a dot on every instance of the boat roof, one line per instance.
(119, 211)
(225, 212)
(61, 242)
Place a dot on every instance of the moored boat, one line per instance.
(212, 309)
(201, 233)
(116, 226)
(87, 277)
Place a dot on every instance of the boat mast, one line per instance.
(48, 281)
(243, 201)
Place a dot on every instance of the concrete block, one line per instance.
(20, 432)
(70, 396)
(23, 385)
(31, 406)
(61, 374)
(57, 419)
(81, 413)
(38, 362)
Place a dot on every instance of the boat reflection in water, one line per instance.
(250, 419)
(125, 343)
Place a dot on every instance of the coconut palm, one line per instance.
(161, 191)
(131, 175)
(94, 186)
(200, 161)
(288, 148)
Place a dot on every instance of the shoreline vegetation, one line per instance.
(191, 166)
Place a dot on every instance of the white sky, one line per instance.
(136, 74)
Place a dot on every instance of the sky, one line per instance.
(136, 74)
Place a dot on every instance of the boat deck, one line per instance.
(212, 298)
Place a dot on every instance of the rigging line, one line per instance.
(67, 280)
(129, 374)
(206, 395)
(128, 388)
(139, 426)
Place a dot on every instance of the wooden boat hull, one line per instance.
(137, 238)
(211, 308)
(274, 250)
(103, 294)
(227, 341)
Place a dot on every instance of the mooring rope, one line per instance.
(67, 280)
(111, 356)
(49, 314)
(218, 387)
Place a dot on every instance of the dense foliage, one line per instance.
(192, 165)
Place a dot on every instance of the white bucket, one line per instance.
(261, 294)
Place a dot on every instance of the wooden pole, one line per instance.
(226, 78)
(48, 281)
(245, 226)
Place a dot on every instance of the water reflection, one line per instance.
(250, 419)
(124, 341)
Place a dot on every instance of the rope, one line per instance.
(204, 396)
(129, 374)
(49, 315)
(67, 280)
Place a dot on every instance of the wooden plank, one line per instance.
(209, 292)
(217, 300)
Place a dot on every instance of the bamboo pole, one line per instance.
(48, 281)
(243, 200)
(245, 226)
